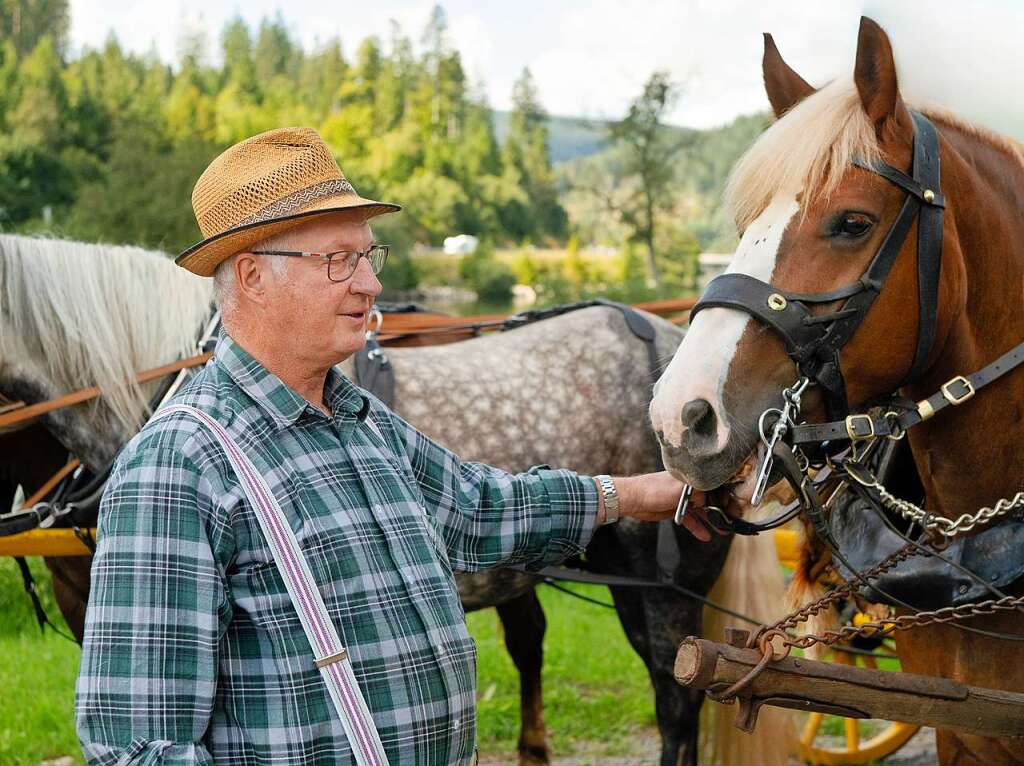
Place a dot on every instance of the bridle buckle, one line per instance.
(860, 427)
(965, 392)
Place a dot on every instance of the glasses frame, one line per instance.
(376, 247)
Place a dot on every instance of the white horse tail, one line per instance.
(750, 583)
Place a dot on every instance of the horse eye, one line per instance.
(853, 225)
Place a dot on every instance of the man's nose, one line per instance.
(364, 281)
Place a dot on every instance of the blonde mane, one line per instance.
(94, 315)
(812, 146)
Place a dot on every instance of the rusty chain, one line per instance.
(903, 622)
(763, 639)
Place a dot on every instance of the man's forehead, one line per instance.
(335, 232)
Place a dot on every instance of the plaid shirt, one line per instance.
(193, 653)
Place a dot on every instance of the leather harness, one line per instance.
(970, 567)
(814, 341)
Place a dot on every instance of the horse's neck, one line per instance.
(970, 455)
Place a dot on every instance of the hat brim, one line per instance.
(204, 257)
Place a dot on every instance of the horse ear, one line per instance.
(785, 87)
(875, 76)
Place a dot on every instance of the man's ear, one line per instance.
(251, 277)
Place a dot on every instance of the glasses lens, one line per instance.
(378, 256)
(341, 266)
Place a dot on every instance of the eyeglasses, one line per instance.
(341, 264)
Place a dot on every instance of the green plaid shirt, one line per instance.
(193, 653)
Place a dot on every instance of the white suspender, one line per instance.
(330, 657)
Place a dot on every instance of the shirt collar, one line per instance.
(280, 402)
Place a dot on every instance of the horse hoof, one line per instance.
(534, 755)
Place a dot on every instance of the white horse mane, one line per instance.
(812, 145)
(95, 315)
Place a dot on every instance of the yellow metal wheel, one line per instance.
(860, 741)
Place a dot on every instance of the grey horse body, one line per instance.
(569, 392)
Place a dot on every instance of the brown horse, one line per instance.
(811, 220)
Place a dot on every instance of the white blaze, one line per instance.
(700, 365)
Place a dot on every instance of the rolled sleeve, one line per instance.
(157, 608)
(489, 517)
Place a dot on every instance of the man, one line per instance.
(194, 653)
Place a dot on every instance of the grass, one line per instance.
(596, 688)
(37, 675)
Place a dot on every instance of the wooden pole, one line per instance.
(852, 692)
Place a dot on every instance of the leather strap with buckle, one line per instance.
(953, 392)
(860, 427)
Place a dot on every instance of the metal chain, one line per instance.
(948, 527)
(876, 628)
(907, 621)
(845, 590)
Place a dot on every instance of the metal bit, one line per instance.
(684, 502)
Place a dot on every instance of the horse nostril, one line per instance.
(699, 417)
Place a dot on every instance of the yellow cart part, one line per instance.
(787, 546)
(44, 542)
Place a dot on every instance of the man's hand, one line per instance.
(654, 496)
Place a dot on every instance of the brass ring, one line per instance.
(777, 302)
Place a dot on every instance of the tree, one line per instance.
(37, 118)
(239, 66)
(526, 152)
(647, 151)
(125, 205)
(276, 53)
(25, 22)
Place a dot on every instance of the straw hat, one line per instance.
(265, 185)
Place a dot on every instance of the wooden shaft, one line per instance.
(85, 394)
(52, 482)
(853, 692)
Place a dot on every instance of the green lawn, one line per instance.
(596, 688)
(37, 675)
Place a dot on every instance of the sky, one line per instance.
(590, 57)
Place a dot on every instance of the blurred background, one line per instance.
(562, 150)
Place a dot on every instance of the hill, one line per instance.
(569, 138)
(701, 170)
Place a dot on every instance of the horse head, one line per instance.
(812, 216)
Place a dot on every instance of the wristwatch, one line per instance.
(611, 498)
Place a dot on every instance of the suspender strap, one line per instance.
(329, 656)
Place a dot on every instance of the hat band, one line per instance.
(297, 200)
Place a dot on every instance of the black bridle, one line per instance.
(814, 341)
